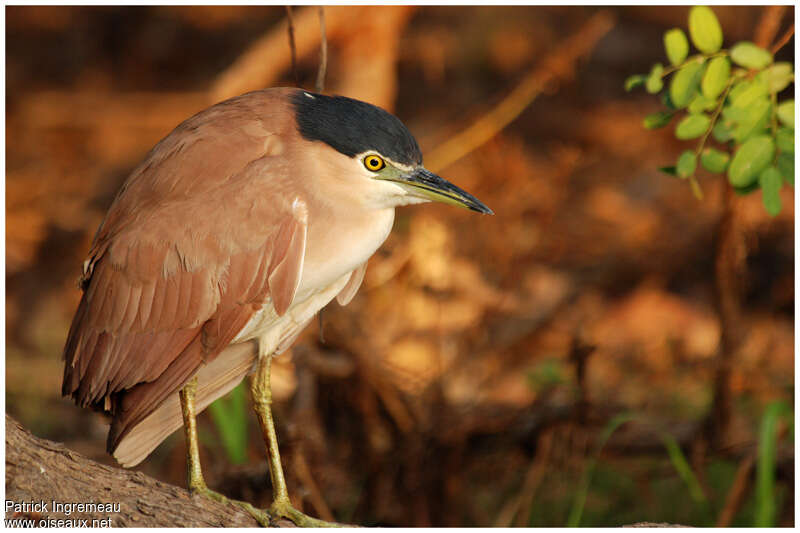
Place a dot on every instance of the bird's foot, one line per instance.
(282, 508)
(260, 516)
(265, 518)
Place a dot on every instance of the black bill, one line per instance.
(426, 184)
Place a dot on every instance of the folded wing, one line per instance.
(162, 297)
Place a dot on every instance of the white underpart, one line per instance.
(272, 331)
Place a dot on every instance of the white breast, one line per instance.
(274, 333)
(340, 244)
(335, 246)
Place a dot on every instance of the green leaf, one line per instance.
(654, 82)
(676, 45)
(748, 55)
(692, 126)
(723, 131)
(672, 171)
(704, 29)
(744, 191)
(748, 121)
(746, 93)
(739, 85)
(637, 80)
(777, 76)
(667, 101)
(771, 180)
(786, 113)
(716, 77)
(657, 120)
(700, 103)
(786, 166)
(546, 374)
(750, 159)
(734, 114)
(687, 164)
(714, 160)
(685, 83)
(784, 138)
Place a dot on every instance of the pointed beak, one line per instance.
(425, 184)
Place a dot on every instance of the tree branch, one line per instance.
(556, 67)
(39, 470)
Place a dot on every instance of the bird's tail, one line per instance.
(215, 379)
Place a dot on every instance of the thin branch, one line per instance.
(768, 25)
(737, 492)
(303, 472)
(783, 40)
(559, 65)
(292, 45)
(323, 51)
(730, 268)
(533, 479)
(264, 62)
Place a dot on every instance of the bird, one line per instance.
(220, 247)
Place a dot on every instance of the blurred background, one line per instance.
(605, 350)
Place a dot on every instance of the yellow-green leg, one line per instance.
(261, 394)
(197, 484)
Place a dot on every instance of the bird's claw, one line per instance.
(283, 509)
(266, 518)
(260, 516)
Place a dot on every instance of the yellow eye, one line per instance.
(374, 163)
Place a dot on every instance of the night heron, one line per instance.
(219, 249)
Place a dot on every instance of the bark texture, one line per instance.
(41, 470)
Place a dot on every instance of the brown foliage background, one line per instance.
(468, 381)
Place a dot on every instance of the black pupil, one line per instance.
(373, 162)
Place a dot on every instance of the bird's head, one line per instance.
(370, 143)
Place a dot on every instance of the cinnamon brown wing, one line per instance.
(253, 278)
(191, 248)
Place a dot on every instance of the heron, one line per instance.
(218, 250)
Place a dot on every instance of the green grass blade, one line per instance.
(576, 510)
(765, 467)
(678, 460)
(230, 417)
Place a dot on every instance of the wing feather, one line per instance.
(88, 349)
(132, 308)
(353, 283)
(120, 305)
(146, 302)
(161, 291)
(172, 293)
(287, 265)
